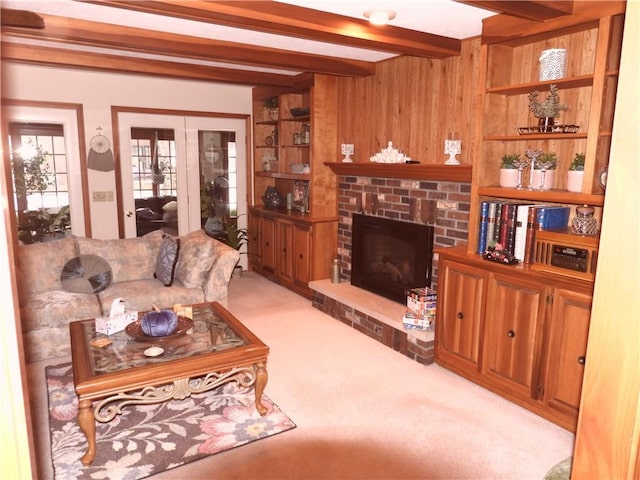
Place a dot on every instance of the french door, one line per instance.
(181, 173)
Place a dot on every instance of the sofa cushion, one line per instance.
(139, 295)
(86, 274)
(167, 259)
(129, 258)
(57, 308)
(39, 265)
(197, 254)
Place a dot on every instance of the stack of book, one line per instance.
(421, 309)
(511, 226)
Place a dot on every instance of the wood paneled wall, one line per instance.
(412, 102)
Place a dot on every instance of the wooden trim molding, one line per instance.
(436, 173)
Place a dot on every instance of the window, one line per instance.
(40, 180)
(153, 157)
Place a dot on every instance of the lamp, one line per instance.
(379, 17)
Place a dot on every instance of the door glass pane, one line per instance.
(153, 170)
(218, 181)
(40, 181)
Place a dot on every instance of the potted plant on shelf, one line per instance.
(509, 170)
(271, 110)
(547, 110)
(576, 173)
(544, 171)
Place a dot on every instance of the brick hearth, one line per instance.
(442, 204)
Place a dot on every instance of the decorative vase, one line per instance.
(546, 124)
(584, 223)
(508, 177)
(574, 180)
(549, 178)
(274, 113)
(271, 198)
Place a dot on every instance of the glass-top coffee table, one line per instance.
(134, 369)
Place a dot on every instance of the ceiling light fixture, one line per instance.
(379, 17)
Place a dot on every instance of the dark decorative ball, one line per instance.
(159, 323)
(272, 198)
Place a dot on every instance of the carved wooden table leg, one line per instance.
(88, 426)
(261, 382)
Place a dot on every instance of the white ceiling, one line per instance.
(442, 17)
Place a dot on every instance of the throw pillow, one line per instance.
(197, 254)
(86, 274)
(167, 259)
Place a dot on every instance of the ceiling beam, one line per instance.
(536, 10)
(58, 57)
(293, 21)
(20, 18)
(103, 35)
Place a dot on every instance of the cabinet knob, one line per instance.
(511, 334)
(460, 315)
(267, 244)
(581, 359)
(301, 256)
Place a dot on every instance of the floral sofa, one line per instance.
(197, 269)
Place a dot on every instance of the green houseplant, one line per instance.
(271, 110)
(544, 170)
(575, 175)
(577, 164)
(236, 238)
(547, 110)
(509, 170)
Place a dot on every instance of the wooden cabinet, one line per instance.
(292, 247)
(295, 246)
(460, 310)
(521, 336)
(514, 314)
(566, 342)
(268, 244)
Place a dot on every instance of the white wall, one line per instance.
(98, 92)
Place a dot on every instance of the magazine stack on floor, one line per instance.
(421, 309)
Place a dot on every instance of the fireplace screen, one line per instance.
(389, 256)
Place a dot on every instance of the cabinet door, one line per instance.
(459, 313)
(514, 309)
(253, 245)
(567, 332)
(284, 251)
(268, 243)
(301, 254)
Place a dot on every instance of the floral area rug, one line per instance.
(147, 439)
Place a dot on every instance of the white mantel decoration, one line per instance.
(389, 155)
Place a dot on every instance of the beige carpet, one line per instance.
(363, 411)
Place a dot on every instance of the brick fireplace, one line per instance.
(443, 204)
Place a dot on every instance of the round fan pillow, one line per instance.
(86, 274)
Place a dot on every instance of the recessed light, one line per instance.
(379, 17)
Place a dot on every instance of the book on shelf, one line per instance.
(497, 224)
(491, 223)
(530, 235)
(552, 217)
(512, 225)
(482, 233)
(520, 241)
(509, 244)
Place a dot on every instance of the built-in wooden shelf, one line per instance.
(419, 171)
(549, 196)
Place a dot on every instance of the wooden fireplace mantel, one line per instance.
(418, 171)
